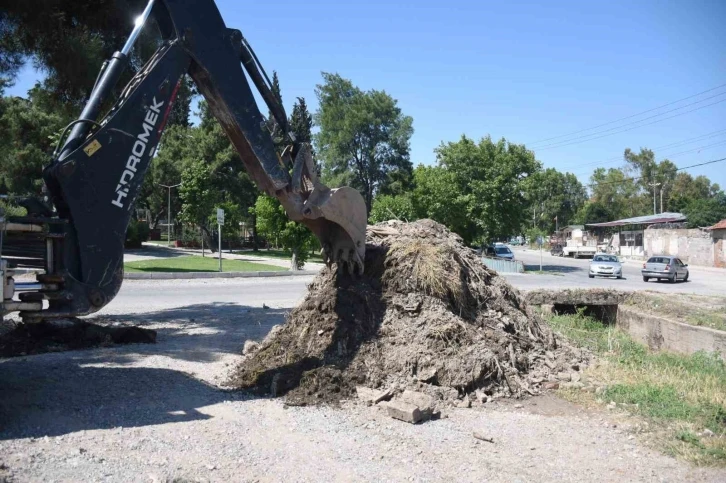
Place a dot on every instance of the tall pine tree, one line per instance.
(301, 125)
(278, 137)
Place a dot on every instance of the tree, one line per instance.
(438, 196)
(69, 40)
(278, 137)
(616, 190)
(363, 139)
(687, 189)
(392, 207)
(593, 212)
(490, 180)
(291, 235)
(554, 195)
(179, 115)
(175, 150)
(703, 212)
(27, 134)
(198, 197)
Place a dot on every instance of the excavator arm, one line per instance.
(95, 178)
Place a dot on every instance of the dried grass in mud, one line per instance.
(425, 315)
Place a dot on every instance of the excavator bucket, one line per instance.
(337, 217)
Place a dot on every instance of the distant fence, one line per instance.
(503, 265)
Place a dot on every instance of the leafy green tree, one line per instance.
(270, 218)
(392, 207)
(438, 196)
(592, 212)
(702, 212)
(687, 189)
(175, 150)
(27, 134)
(554, 195)
(198, 197)
(618, 191)
(292, 236)
(69, 40)
(490, 180)
(179, 115)
(363, 139)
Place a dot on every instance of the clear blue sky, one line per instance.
(526, 71)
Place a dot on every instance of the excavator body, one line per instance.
(95, 176)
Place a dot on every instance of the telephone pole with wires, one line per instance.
(654, 185)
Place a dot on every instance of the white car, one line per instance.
(603, 265)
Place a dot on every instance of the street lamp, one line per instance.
(168, 211)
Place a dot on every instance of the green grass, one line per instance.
(701, 310)
(683, 395)
(283, 254)
(198, 264)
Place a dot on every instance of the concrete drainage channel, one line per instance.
(658, 333)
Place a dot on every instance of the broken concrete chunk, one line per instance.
(373, 396)
(551, 385)
(404, 411)
(423, 401)
(575, 376)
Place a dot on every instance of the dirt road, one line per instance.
(155, 412)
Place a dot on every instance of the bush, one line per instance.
(137, 233)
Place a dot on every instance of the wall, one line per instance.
(692, 246)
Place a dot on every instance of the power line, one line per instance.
(674, 144)
(664, 157)
(641, 177)
(572, 141)
(631, 116)
(568, 143)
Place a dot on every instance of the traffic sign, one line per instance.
(220, 216)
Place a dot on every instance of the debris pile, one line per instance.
(426, 315)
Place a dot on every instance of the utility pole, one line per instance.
(168, 211)
(654, 184)
(661, 197)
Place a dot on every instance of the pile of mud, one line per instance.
(425, 315)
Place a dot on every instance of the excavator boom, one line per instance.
(94, 179)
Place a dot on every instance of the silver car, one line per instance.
(665, 267)
(603, 265)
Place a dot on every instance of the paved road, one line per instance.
(573, 273)
(284, 292)
(139, 296)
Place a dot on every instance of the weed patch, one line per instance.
(684, 395)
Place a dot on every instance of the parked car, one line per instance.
(665, 267)
(603, 265)
(503, 251)
(556, 250)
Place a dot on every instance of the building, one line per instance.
(627, 236)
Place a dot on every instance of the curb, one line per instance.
(200, 275)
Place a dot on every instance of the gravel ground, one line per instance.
(158, 412)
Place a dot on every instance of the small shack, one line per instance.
(628, 233)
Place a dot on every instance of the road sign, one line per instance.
(540, 241)
(220, 216)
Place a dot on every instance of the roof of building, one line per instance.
(644, 220)
(721, 225)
